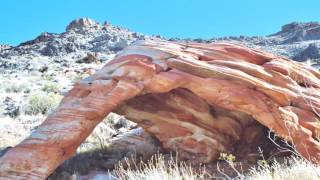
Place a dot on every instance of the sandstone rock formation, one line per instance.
(198, 99)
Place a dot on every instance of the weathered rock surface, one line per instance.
(312, 52)
(198, 99)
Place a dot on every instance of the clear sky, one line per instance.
(23, 20)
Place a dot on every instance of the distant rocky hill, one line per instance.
(297, 32)
(82, 36)
(4, 47)
(298, 41)
(85, 35)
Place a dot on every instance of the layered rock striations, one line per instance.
(198, 99)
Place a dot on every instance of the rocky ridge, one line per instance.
(4, 47)
(84, 35)
(293, 39)
(297, 32)
(81, 36)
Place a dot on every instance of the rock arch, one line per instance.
(197, 98)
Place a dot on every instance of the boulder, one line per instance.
(89, 58)
(197, 99)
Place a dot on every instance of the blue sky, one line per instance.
(23, 20)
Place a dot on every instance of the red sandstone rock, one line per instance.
(199, 99)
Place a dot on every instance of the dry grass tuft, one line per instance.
(292, 169)
(157, 168)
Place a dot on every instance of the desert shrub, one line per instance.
(230, 158)
(48, 77)
(51, 87)
(158, 168)
(42, 103)
(111, 118)
(292, 169)
(15, 86)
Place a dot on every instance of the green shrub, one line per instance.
(51, 87)
(230, 158)
(42, 103)
(48, 77)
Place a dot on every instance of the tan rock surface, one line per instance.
(198, 99)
